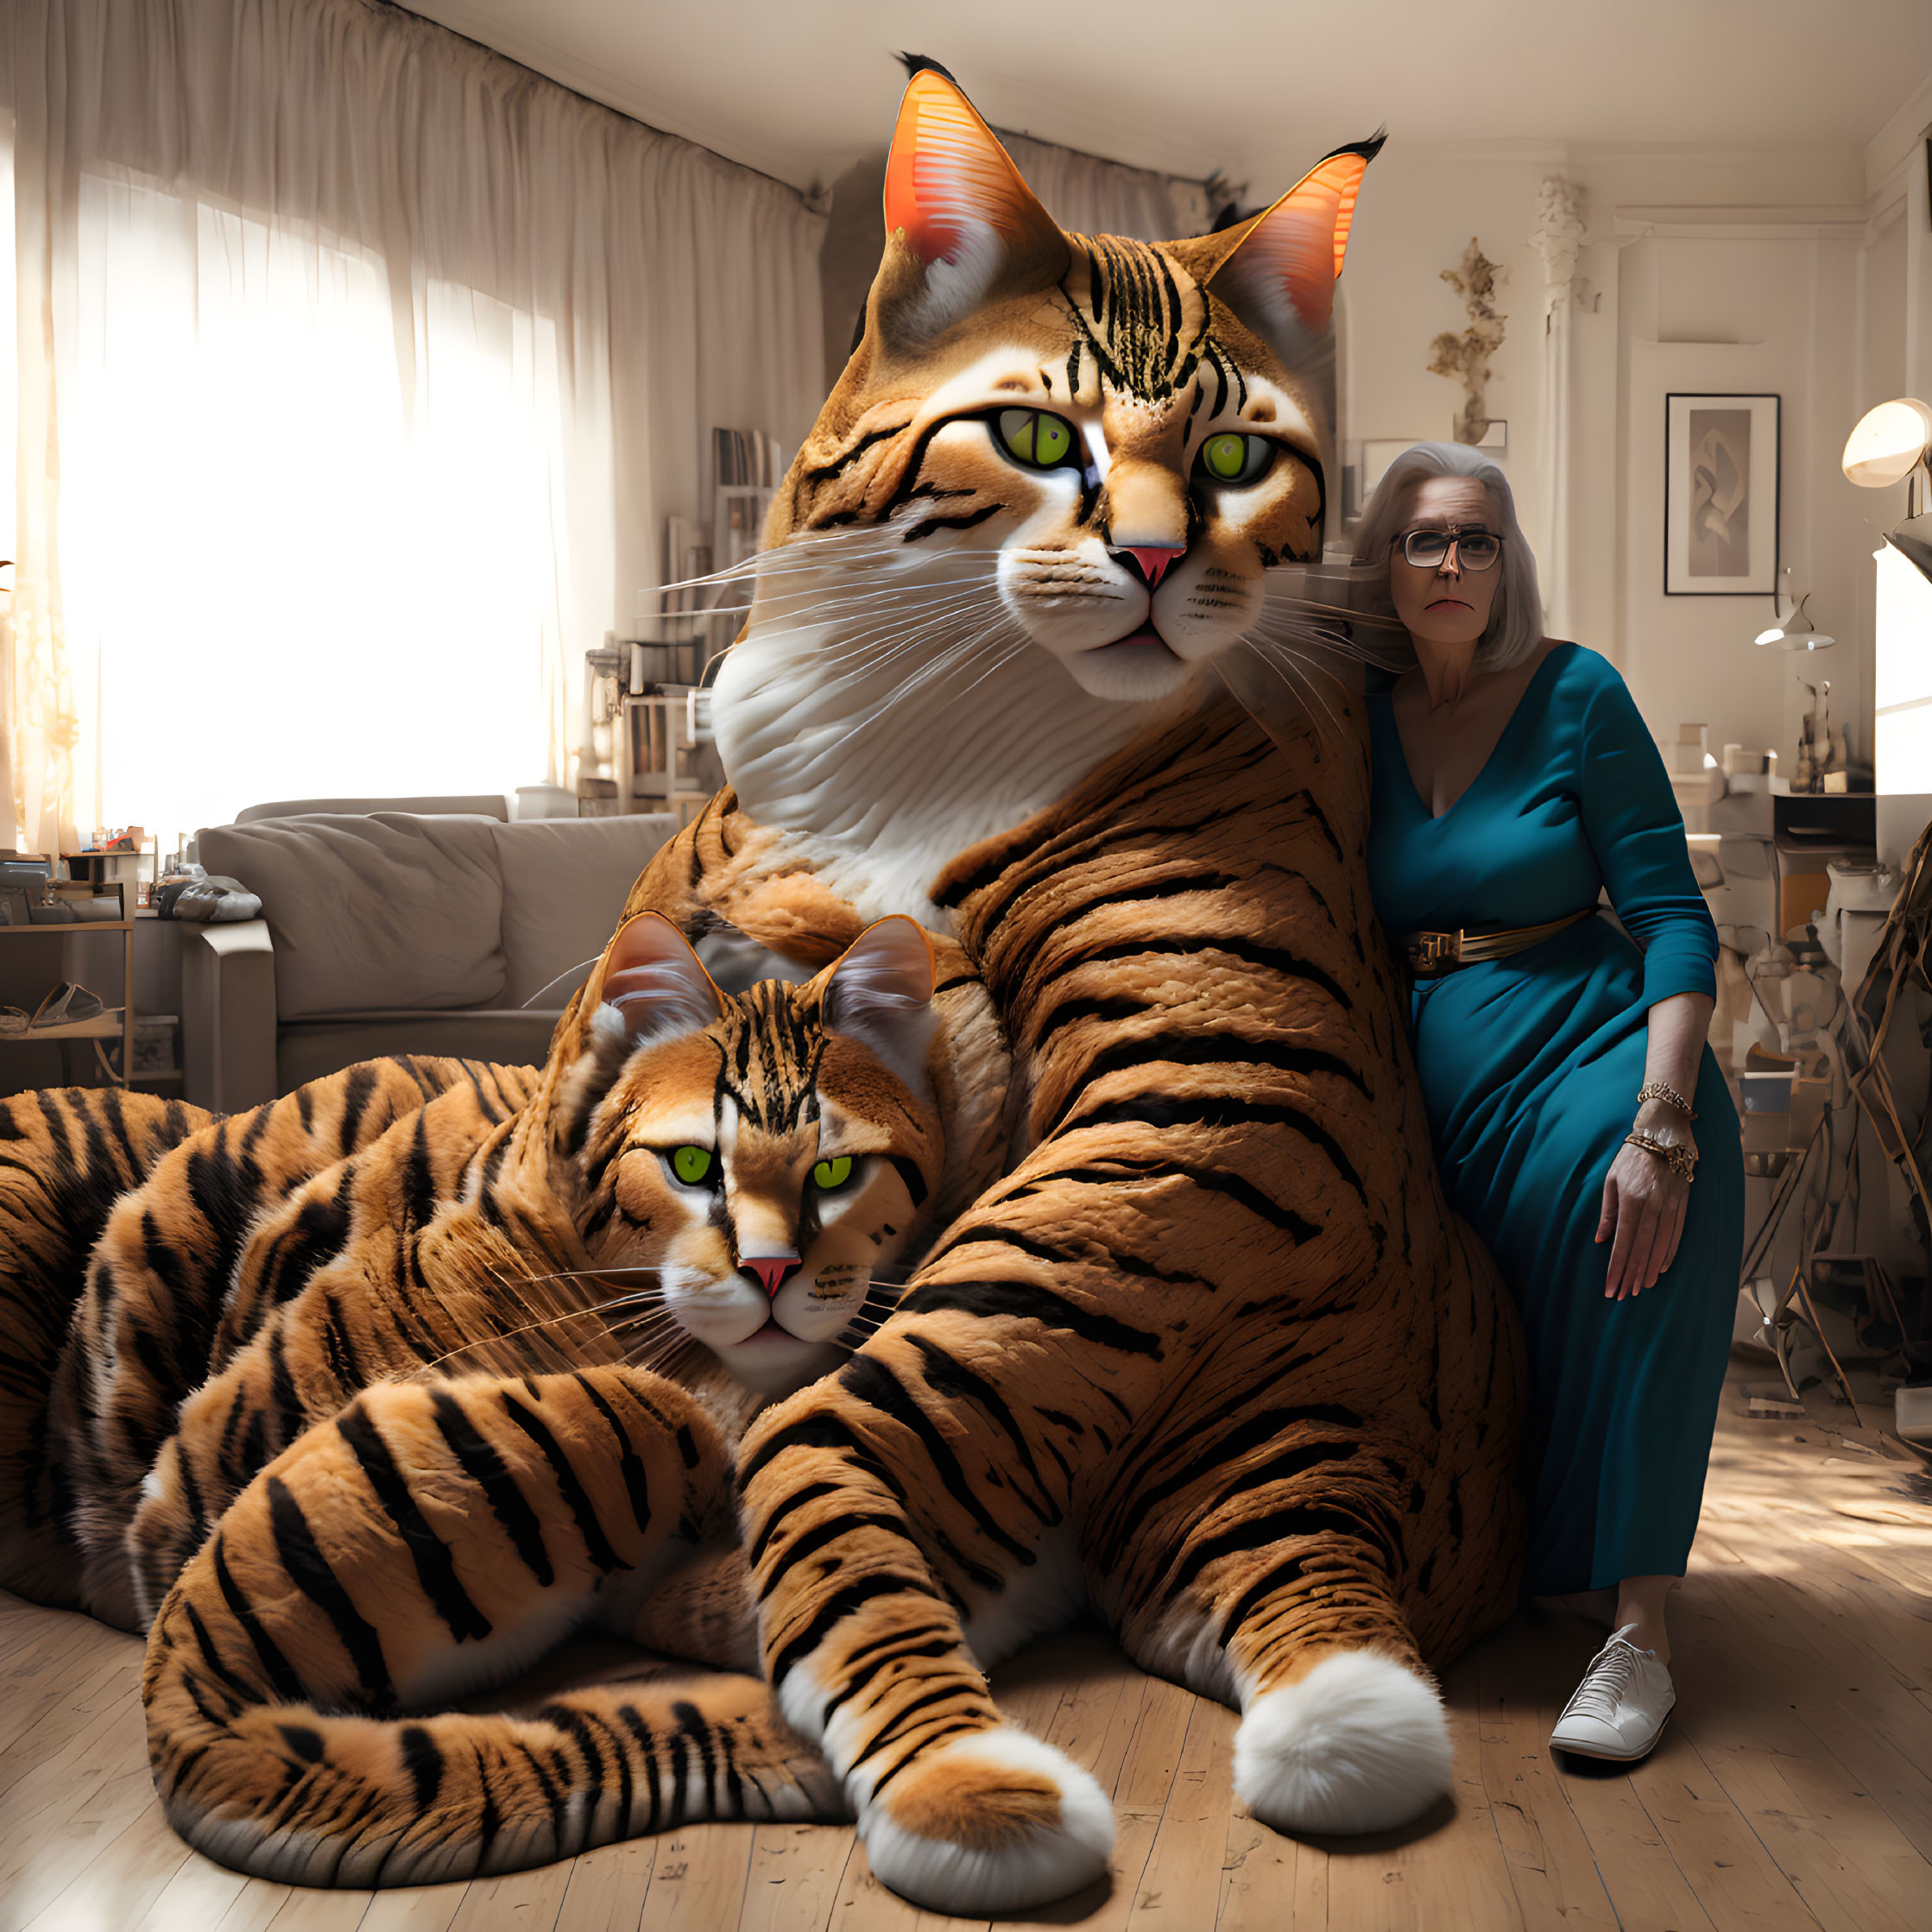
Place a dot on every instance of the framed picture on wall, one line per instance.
(1721, 483)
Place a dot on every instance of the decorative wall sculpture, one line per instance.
(1465, 358)
(1558, 234)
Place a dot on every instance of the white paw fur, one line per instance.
(1358, 1745)
(947, 1877)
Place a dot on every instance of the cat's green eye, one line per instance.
(692, 1165)
(831, 1174)
(1040, 441)
(1231, 458)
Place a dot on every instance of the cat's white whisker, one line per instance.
(1008, 647)
(873, 651)
(934, 655)
(891, 613)
(1299, 680)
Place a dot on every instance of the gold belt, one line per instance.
(1432, 954)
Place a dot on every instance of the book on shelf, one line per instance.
(745, 458)
(741, 509)
(687, 557)
(676, 617)
(747, 467)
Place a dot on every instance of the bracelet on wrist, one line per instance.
(1681, 1160)
(1656, 1089)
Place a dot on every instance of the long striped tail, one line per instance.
(287, 1793)
(429, 1542)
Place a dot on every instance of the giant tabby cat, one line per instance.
(1213, 1359)
(244, 1453)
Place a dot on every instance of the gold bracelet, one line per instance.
(1656, 1089)
(1680, 1160)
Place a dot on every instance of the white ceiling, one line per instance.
(799, 88)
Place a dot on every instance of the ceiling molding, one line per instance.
(1829, 224)
(800, 92)
(1900, 138)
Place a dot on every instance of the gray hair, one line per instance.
(1515, 627)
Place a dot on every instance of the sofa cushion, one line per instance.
(386, 911)
(564, 882)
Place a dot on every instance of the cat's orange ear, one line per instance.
(656, 983)
(1280, 273)
(956, 204)
(879, 993)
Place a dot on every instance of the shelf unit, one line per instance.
(107, 1026)
(655, 744)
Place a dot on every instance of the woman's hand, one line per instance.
(1644, 1203)
(1643, 1198)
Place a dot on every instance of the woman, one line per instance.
(1562, 1064)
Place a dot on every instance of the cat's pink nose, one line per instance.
(1153, 559)
(771, 1270)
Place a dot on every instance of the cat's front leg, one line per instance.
(882, 1505)
(1278, 1578)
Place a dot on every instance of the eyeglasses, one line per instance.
(1475, 550)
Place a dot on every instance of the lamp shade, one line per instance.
(1888, 443)
(1795, 634)
(1793, 631)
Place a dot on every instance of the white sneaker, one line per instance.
(1619, 1709)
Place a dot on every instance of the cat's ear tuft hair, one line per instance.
(879, 993)
(960, 221)
(1278, 276)
(923, 63)
(656, 984)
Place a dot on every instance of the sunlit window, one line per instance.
(1903, 695)
(9, 354)
(310, 522)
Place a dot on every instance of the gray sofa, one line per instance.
(393, 932)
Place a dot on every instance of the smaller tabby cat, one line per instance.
(345, 1524)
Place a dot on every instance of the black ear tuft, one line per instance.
(918, 63)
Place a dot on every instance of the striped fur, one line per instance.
(1212, 1358)
(279, 1663)
(156, 1316)
(65, 1157)
(1201, 1347)
(344, 1523)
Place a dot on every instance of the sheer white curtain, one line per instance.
(368, 366)
(1095, 197)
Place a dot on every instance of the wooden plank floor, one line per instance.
(1794, 1787)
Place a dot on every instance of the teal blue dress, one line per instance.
(1530, 1068)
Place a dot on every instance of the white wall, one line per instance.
(1720, 272)
(1806, 274)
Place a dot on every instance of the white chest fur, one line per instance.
(882, 758)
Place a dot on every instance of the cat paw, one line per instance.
(1359, 1743)
(988, 1824)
